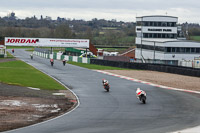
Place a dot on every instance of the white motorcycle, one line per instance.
(141, 95)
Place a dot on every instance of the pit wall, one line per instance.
(59, 56)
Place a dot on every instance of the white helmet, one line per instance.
(138, 89)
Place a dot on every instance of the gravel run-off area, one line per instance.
(22, 106)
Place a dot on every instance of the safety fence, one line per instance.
(59, 56)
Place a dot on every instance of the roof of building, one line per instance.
(157, 16)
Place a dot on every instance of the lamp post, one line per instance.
(141, 38)
(154, 54)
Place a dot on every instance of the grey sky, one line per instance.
(121, 10)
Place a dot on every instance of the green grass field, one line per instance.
(18, 47)
(20, 73)
(195, 38)
(96, 67)
(122, 40)
(9, 55)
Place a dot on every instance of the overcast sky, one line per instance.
(121, 10)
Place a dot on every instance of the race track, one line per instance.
(118, 111)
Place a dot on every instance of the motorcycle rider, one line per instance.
(139, 92)
(64, 62)
(106, 85)
(31, 55)
(104, 81)
(51, 61)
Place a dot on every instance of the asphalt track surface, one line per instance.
(117, 111)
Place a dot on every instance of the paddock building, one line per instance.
(157, 40)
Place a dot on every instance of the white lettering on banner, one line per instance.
(46, 42)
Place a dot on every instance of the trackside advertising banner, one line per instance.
(46, 42)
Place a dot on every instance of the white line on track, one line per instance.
(58, 94)
(37, 89)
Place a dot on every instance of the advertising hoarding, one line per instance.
(46, 42)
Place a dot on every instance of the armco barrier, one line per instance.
(147, 66)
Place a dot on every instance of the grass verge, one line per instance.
(20, 73)
(195, 38)
(9, 55)
(96, 67)
(18, 47)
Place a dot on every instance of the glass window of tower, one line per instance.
(173, 49)
(151, 24)
(192, 50)
(197, 50)
(187, 50)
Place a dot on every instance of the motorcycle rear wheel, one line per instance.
(143, 99)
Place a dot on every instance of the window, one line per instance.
(150, 35)
(146, 23)
(187, 50)
(173, 49)
(197, 50)
(145, 35)
(192, 50)
(164, 24)
(173, 24)
(182, 50)
(151, 24)
(168, 49)
(169, 24)
(177, 50)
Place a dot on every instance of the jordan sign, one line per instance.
(46, 42)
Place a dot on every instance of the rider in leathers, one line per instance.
(139, 92)
(104, 82)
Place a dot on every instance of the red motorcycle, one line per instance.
(52, 62)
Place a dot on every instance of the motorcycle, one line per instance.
(31, 56)
(64, 62)
(106, 87)
(51, 63)
(142, 97)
